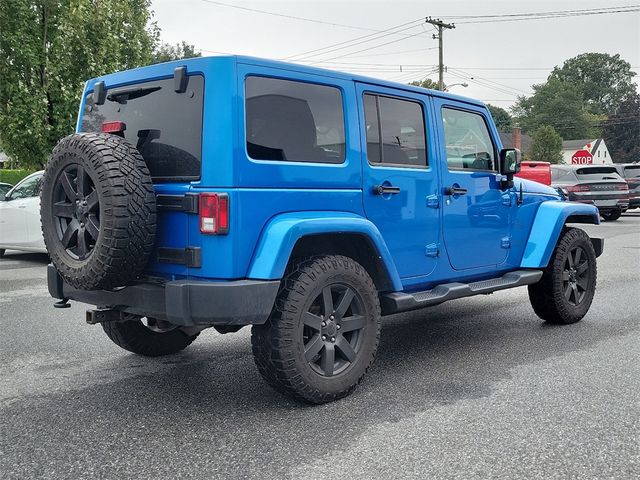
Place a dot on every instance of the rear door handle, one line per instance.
(385, 189)
(455, 191)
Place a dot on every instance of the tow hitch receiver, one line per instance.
(102, 315)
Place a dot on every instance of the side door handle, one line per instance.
(455, 191)
(385, 189)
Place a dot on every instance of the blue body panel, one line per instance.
(549, 220)
(282, 233)
(273, 203)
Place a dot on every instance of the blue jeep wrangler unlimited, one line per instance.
(231, 191)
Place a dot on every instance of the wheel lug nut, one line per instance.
(331, 317)
(338, 327)
(333, 339)
(324, 337)
(324, 324)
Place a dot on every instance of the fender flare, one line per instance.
(282, 232)
(550, 219)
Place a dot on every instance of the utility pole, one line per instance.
(441, 26)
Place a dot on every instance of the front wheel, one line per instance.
(611, 215)
(566, 290)
(148, 336)
(323, 333)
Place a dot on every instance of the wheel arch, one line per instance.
(301, 234)
(549, 221)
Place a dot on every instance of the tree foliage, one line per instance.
(48, 48)
(546, 145)
(603, 80)
(621, 131)
(501, 117)
(166, 52)
(426, 83)
(558, 104)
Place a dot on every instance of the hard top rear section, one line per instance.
(178, 116)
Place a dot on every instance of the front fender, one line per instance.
(547, 226)
(283, 231)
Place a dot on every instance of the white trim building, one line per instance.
(596, 147)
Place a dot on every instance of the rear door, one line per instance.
(476, 212)
(400, 185)
(165, 125)
(16, 213)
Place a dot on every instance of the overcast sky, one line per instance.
(503, 58)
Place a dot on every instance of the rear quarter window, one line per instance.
(165, 126)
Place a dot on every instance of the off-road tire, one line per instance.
(127, 210)
(611, 215)
(548, 295)
(278, 345)
(135, 337)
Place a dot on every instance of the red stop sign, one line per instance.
(581, 157)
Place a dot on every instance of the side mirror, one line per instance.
(510, 163)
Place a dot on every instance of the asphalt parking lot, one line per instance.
(475, 388)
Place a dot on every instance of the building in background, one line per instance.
(586, 151)
(516, 139)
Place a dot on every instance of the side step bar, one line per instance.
(402, 301)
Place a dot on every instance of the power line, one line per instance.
(577, 14)
(326, 60)
(284, 15)
(441, 26)
(353, 43)
(533, 14)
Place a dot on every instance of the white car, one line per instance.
(20, 217)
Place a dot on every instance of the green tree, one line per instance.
(546, 145)
(48, 48)
(558, 104)
(166, 52)
(621, 131)
(501, 117)
(603, 80)
(426, 83)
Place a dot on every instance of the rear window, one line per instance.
(596, 170)
(165, 126)
(632, 171)
(561, 175)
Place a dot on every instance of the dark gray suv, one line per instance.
(598, 185)
(631, 173)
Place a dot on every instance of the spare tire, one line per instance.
(98, 211)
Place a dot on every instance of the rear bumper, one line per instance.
(607, 204)
(181, 302)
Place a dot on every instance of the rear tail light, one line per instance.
(578, 188)
(113, 127)
(213, 210)
(622, 186)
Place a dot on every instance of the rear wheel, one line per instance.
(566, 290)
(323, 333)
(147, 336)
(611, 215)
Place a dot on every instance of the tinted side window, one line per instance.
(294, 121)
(165, 126)
(560, 175)
(400, 125)
(28, 188)
(468, 142)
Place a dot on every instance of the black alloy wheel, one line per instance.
(575, 277)
(76, 211)
(333, 329)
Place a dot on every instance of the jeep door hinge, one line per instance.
(506, 242)
(433, 201)
(432, 250)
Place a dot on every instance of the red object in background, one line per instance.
(582, 157)
(537, 171)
